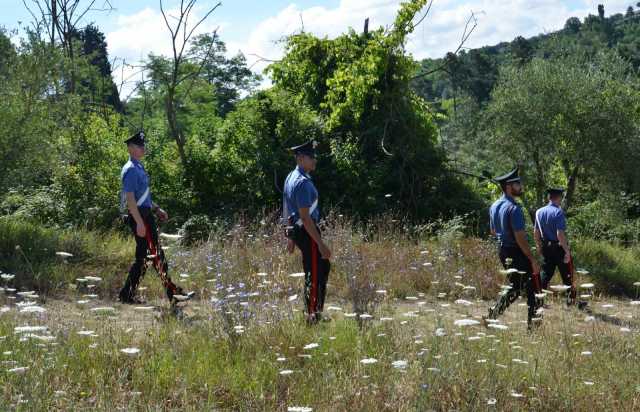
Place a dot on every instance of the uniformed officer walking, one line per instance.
(136, 199)
(301, 213)
(551, 240)
(508, 225)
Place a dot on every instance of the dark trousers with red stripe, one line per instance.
(553, 255)
(513, 258)
(316, 270)
(145, 247)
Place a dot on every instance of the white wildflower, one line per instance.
(508, 271)
(93, 278)
(399, 364)
(29, 329)
(103, 309)
(466, 322)
(33, 309)
(168, 236)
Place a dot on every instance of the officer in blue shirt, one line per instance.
(301, 214)
(507, 224)
(551, 240)
(137, 200)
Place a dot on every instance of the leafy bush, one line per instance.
(607, 219)
(196, 229)
(44, 204)
(613, 268)
(28, 250)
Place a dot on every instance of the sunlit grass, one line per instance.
(405, 334)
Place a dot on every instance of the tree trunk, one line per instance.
(571, 188)
(539, 179)
(54, 22)
(174, 129)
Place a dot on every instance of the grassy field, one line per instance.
(395, 341)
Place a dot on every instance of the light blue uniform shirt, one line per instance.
(299, 193)
(549, 220)
(135, 180)
(505, 218)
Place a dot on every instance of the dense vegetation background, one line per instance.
(394, 132)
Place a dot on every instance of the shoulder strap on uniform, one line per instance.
(144, 197)
(312, 209)
(125, 169)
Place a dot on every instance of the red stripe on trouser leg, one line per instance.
(313, 299)
(157, 262)
(152, 246)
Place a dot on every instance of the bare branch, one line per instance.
(473, 21)
(203, 19)
(260, 60)
(202, 63)
(426, 13)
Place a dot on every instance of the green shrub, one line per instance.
(28, 250)
(196, 229)
(613, 268)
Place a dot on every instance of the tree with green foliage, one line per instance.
(98, 82)
(382, 136)
(521, 50)
(569, 116)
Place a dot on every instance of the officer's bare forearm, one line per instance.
(312, 230)
(523, 244)
(132, 205)
(538, 238)
(564, 243)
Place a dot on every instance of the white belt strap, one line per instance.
(144, 197)
(312, 209)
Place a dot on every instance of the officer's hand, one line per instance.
(290, 246)
(141, 230)
(162, 215)
(324, 251)
(567, 258)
